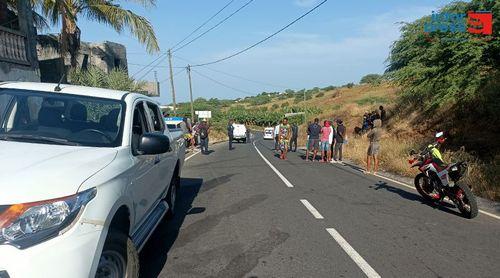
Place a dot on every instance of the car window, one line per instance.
(43, 117)
(156, 119)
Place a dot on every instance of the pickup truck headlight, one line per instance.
(24, 225)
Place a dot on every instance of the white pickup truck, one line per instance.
(86, 175)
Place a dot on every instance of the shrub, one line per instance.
(320, 94)
(373, 79)
(117, 79)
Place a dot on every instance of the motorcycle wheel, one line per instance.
(466, 201)
(424, 187)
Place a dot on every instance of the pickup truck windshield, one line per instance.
(59, 119)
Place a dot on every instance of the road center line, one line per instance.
(288, 183)
(362, 264)
(311, 209)
(189, 157)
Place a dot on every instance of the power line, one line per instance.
(148, 65)
(213, 27)
(222, 84)
(202, 25)
(142, 65)
(152, 67)
(175, 74)
(237, 76)
(263, 40)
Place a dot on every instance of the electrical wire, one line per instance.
(213, 27)
(237, 76)
(263, 40)
(222, 84)
(175, 74)
(142, 65)
(148, 65)
(203, 24)
(152, 68)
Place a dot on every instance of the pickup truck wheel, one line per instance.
(119, 257)
(172, 196)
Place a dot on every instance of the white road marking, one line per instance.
(362, 264)
(288, 183)
(311, 209)
(189, 157)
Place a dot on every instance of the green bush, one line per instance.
(117, 79)
(320, 94)
(373, 79)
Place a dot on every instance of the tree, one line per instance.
(447, 68)
(117, 79)
(107, 12)
(372, 79)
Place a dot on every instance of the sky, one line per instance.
(336, 44)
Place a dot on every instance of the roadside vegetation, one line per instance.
(117, 79)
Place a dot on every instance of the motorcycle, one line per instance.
(435, 182)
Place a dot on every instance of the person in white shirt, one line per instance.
(276, 137)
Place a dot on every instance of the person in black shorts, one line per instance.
(313, 130)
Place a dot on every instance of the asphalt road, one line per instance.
(238, 217)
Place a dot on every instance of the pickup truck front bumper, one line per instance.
(69, 255)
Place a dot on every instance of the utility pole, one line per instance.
(188, 68)
(171, 78)
(305, 117)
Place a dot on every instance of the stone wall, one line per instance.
(106, 56)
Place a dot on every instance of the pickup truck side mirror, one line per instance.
(153, 143)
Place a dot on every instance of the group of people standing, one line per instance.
(327, 139)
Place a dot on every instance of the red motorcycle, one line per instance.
(435, 182)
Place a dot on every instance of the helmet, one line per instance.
(440, 137)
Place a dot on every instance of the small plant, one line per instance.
(117, 79)
(320, 94)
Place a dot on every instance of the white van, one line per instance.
(240, 133)
(269, 133)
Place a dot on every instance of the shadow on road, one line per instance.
(415, 197)
(154, 255)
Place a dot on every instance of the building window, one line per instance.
(8, 16)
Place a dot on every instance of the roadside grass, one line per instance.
(371, 100)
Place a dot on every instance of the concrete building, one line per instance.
(106, 56)
(18, 58)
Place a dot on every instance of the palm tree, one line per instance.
(108, 12)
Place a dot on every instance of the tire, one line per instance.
(244, 141)
(119, 257)
(172, 196)
(423, 187)
(468, 200)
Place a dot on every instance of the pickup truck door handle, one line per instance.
(157, 159)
